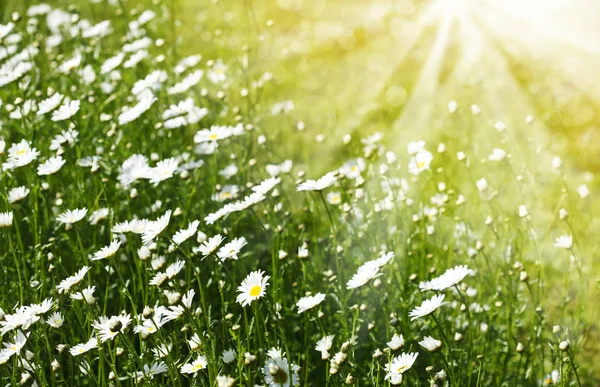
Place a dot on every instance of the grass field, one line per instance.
(290, 192)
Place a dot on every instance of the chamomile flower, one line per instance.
(324, 345)
(107, 251)
(17, 194)
(195, 366)
(82, 348)
(398, 366)
(49, 104)
(232, 249)
(156, 227)
(72, 216)
(427, 307)
(564, 242)
(20, 154)
(67, 110)
(51, 166)
(309, 302)
(364, 274)
(396, 342)
(6, 219)
(318, 185)
(184, 234)
(210, 245)
(430, 344)
(109, 327)
(252, 288)
(55, 320)
(420, 162)
(450, 278)
(278, 372)
(66, 284)
(151, 371)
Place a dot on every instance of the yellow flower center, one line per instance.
(198, 367)
(213, 136)
(21, 151)
(402, 368)
(420, 164)
(255, 291)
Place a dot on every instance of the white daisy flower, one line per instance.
(72, 216)
(252, 288)
(430, 344)
(51, 166)
(195, 366)
(231, 249)
(564, 242)
(109, 327)
(107, 251)
(309, 302)
(66, 110)
(183, 235)
(427, 307)
(318, 185)
(17, 194)
(324, 345)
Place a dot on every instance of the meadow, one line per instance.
(216, 193)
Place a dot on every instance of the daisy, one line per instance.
(228, 356)
(564, 242)
(156, 227)
(226, 193)
(107, 251)
(309, 302)
(334, 198)
(427, 307)
(188, 298)
(210, 245)
(82, 348)
(231, 249)
(151, 371)
(109, 327)
(6, 219)
(266, 185)
(396, 342)
(132, 113)
(324, 345)
(49, 104)
(186, 83)
(217, 73)
(183, 235)
(66, 110)
(278, 372)
(17, 194)
(364, 274)
(72, 216)
(20, 154)
(214, 134)
(195, 366)
(318, 185)
(430, 344)
(66, 284)
(225, 381)
(86, 295)
(420, 162)
(164, 170)
(15, 347)
(450, 278)
(50, 166)
(55, 320)
(252, 288)
(398, 366)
